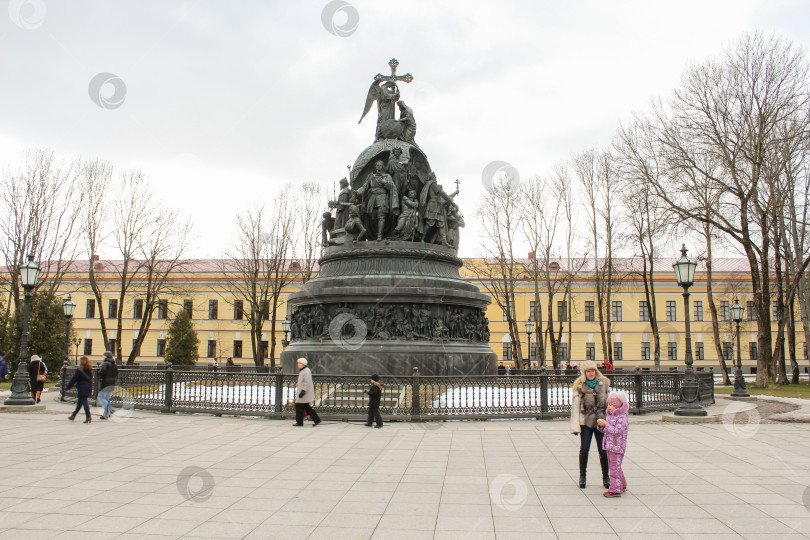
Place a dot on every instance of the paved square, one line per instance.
(152, 476)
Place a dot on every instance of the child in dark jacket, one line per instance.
(374, 395)
(83, 380)
(615, 429)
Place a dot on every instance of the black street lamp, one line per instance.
(739, 381)
(21, 387)
(529, 330)
(68, 307)
(285, 324)
(690, 389)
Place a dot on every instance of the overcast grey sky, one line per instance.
(226, 101)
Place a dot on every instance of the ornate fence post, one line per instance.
(278, 401)
(416, 409)
(168, 388)
(543, 396)
(638, 381)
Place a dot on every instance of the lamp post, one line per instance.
(76, 342)
(529, 330)
(20, 387)
(285, 324)
(68, 307)
(739, 381)
(690, 400)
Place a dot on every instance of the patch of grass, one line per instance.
(789, 391)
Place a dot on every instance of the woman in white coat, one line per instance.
(304, 395)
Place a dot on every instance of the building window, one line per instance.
(753, 353)
(728, 351)
(188, 307)
(507, 352)
(672, 313)
(237, 348)
(672, 350)
(113, 345)
(804, 350)
(112, 308)
(590, 311)
(645, 350)
(265, 349)
(643, 311)
(135, 347)
(698, 310)
(88, 347)
(562, 311)
(590, 351)
(562, 352)
(725, 310)
(264, 308)
(752, 314)
(212, 348)
(533, 352)
(777, 315)
(618, 354)
(137, 309)
(238, 310)
(213, 309)
(699, 353)
(532, 309)
(616, 312)
(163, 310)
(161, 347)
(90, 313)
(508, 308)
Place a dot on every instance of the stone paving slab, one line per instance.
(151, 476)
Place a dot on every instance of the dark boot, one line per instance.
(583, 467)
(605, 469)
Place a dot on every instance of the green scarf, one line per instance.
(592, 384)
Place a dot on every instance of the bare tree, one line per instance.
(499, 215)
(737, 114)
(40, 205)
(309, 203)
(260, 268)
(596, 173)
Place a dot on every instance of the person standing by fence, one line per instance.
(108, 373)
(374, 396)
(305, 394)
(589, 404)
(83, 380)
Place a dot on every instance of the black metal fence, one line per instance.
(412, 398)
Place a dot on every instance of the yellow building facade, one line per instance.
(202, 289)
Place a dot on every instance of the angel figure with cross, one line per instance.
(385, 92)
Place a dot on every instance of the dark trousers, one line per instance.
(82, 402)
(585, 439)
(374, 416)
(299, 413)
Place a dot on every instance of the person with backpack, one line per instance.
(37, 373)
(108, 373)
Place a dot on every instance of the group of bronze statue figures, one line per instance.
(392, 205)
(386, 321)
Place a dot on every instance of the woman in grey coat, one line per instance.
(588, 404)
(304, 395)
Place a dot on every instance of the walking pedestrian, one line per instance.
(108, 373)
(3, 369)
(589, 404)
(615, 428)
(374, 395)
(305, 394)
(37, 373)
(83, 380)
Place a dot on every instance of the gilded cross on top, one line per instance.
(393, 77)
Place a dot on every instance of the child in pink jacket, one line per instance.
(615, 429)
